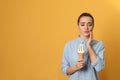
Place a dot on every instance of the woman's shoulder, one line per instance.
(98, 42)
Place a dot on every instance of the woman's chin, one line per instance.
(86, 35)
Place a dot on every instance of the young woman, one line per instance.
(93, 61)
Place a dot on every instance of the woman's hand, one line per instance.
(91, 52)
(90, 39)
(79, 64)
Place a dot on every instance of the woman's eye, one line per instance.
(82, 24)
(90, 24)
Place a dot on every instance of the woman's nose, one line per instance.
(86, 27)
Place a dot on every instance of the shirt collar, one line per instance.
(81, 40)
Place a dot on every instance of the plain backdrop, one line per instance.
(33, 34)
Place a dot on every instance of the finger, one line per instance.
(91, 35)
(82, 65)
(80, 60)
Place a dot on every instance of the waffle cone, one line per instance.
(81, 55)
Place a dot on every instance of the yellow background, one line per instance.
(34, 32)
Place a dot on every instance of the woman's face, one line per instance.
(85, 26)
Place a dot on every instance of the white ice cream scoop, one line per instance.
(81, 48)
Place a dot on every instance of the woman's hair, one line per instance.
(85, 14)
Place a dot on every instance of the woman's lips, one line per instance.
(86, 31)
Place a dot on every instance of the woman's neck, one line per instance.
(84, 37)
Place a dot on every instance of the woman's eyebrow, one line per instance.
(89, 22)
(82, 22)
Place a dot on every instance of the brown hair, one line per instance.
(85, 14)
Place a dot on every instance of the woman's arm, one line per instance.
(66, 68)
(80, 64)
(97, 60)
(91, 53)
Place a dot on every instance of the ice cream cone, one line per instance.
(81, 52)
(81, 55)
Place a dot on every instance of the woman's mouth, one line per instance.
(86, 31)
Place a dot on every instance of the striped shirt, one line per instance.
(90, 70)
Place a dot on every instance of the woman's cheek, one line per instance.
(91, 29)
